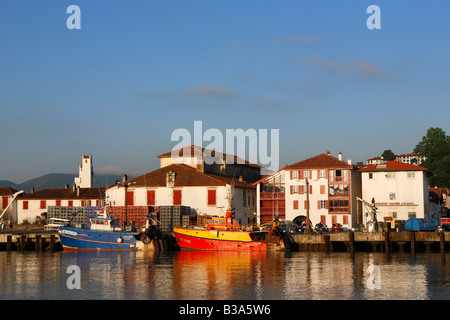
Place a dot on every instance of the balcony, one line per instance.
(271, 195)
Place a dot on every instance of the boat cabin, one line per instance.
(222, 224)
(105, 224)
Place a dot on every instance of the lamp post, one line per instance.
(308, 227)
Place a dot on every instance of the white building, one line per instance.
(410, 158)
(84, 179)
(400, 190)
(32, 205)
(183, 185)
(333, 187)
(7, 207)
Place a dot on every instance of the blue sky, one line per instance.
(137, 70)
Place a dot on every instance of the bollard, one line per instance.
(442, 242)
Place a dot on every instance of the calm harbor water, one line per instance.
(199, 275)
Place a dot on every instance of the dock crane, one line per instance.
(2, 220)
(372, 210)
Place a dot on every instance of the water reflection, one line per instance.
(202, 275)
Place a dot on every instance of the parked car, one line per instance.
(320, 227)
(336, 227)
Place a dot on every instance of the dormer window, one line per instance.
(170, 179)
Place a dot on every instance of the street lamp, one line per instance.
(308, 227)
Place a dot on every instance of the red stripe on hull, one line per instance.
(196, 243)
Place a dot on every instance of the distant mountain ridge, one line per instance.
(59, 180)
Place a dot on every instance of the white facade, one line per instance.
(84, 179)
(398, 194)
(195, 197)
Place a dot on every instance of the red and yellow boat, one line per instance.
(220, 234)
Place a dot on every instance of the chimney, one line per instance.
(349, 161)
(340, 156)
(32, 189)
(73, 186)
(124, 178)
(67, 186)
(78, 191)
(328, 153)
(240, 178)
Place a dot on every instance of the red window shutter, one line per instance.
(4, 202)
(318, 204)
(96, 203)
(212, 197)
(291, 174)
(310, 174)
(345, 220)
(58, 203)
(300, 174)
(70, 204)
(177, 197)
(130, 198)
(306, 204)
(310, 189)
(301, 190)
(151, 197)
(323, 219)
(292, 189)
(25, 205)
(295, 204)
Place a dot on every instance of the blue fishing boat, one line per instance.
(104, 234)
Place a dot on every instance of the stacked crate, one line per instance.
(92, 212)
(173, 216)
(136, 214)
(77, 216)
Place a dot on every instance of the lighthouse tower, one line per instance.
(84, 179)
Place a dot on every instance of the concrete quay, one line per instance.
(352, 241)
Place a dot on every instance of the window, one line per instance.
(372, 175)
(390, 175)
(411, 175)
(151, 197)
(294, 189)
(211, 197)
(321, 204)
(4, 202)
(130, 198)
(338, 205)
(322, 189)
(294, 174)
(411, 214)
(177, 197)
(322, 174)
(25, 205)
(306, 174)
(295, 204)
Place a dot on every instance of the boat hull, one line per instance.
(75, 239)
(216, 240)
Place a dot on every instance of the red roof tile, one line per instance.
(65, 193)
(320, 161)
(393, 165)
(7, 191)
(192, 149)
(184, 176)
